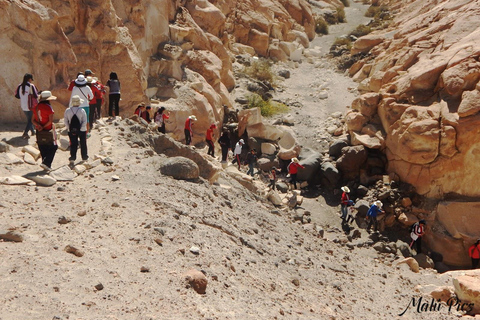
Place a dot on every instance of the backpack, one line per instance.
(75, 125)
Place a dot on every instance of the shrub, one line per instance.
(341, 15)
(267, 108)
(261, 70)
(343, 41)
(346, 3)
(361, 30)
(378, 12)
(321, 26)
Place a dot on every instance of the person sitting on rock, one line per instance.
(251, 160)
(189, 129)
(474, 253)
(209, 139)
(345, 199)
(292, 171)
(417, 231)
(237, 152)
(372, 214)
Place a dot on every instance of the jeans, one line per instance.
(29, 126)
(82, 135)
(250, 169)
(373, 221)
(344, 210)
(188, 137)
(113, 101)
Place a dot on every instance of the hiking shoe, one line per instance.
(25, 136)
(85, 159)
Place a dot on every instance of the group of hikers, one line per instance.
(85, 107)
(417, 230)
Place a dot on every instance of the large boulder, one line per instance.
(329, 175)
(335, 149)
(367, 104)
(366, 43)
(352, 160)
(180, 168)
(424, 261)
(311, 161)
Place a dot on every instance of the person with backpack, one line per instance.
(209, 139)
(224, 142)
(113, 95)
(416, 233)
(372, 214)
(28, 94)
(82, 90)
(159, 117)
(293, 170)
(76, 119)
(42, 119)
(474, 253)
(188, 129)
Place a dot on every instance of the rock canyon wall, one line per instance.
(420, 80)
(173, 51)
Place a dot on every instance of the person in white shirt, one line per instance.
(82, 90)
(76, 119)
(237, 152)
(28, 94)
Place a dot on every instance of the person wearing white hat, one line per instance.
(372, 213)
(75, 120)
(293, 170)
(189, 129)
(42, 119)
(345, 200)
(82, 90)
(237, 152)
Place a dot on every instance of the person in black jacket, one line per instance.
(224, 142)
(251, 160)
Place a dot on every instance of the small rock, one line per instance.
(144, 269)
(64, 220)
(4, 147)
(74, 251)
(82, 213)
(99, 287)
(115, 205)
(412, 263)
(296, 282)
(60, 188)
(197, 281)
(115, 178)
(195, 250)
(107, 161)
(10, 235)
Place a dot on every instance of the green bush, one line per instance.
(267, 108)
(346, 3)
(261, 70)
(361, 30)
(343, 41)
(341, 15)
(321, 26)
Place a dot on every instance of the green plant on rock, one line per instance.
(361, 30)
(261, 70)
(321, 26)
(267, 108)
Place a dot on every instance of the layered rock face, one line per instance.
(180, 51)
(421, 89)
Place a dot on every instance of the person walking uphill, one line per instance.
(417, 231)
(75, 119)
(82, 90)
(345, 201)
(46, 136)
(209, 139)
(251, 160)
(113, 95)
(159, 117)
(293, 170)
(224, 142)
(28, 94)
(189, 129)
(372, 214)
(237, 152)
(474, 253)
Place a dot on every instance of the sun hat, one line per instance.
(241, 141)
(88, 71)
(378, 203)
(91, 80)
(76, 101)
(345, 189)
(81, 79)
(192, 117)
(47, 95)
(295, 160)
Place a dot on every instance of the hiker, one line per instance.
(417, 231)
(293, 169)
(224, 142)
(345, 199)
(209, 139)
(188, 129)
(95, 104)
(101, 92)
(141, 112)
(474, 253)
(75, 119)
(28, 94)
(42, 119)
(113, 95)
(72, 83)
(82, 90)
(159, 117)
(272, 176)
(251, 160)
(372, 213)
(237, 152)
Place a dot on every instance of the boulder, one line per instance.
(329, 175)
(197, 281)
(424, 261)
(407, 219)
(371, 142)
(274, 198)
(180, 168)
(266, 164)
(282, 187)
(4, 147)
(366, 43)
(14, 180)
(335, 149)
(28, 158)
(34, 152)
(268, 148)
(467, 289)
(63, 173)
(442, 293)
(470, 104)
(362, 206)
(41, 179)
(310, 159)
(404, 248)
(366, 104)
(352, 160)
(11, 235)
(412, 263)
(355, 121)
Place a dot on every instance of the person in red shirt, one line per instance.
(209, 139)
(188, 129)
(474, 253)
(160, 117)
(293, 169)
(141, 112)
(42, 119)
(345, 199)
(95, 103)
